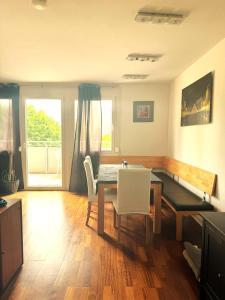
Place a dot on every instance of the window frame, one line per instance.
(114, 135)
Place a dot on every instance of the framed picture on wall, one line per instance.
(197, 99)
(143, 111)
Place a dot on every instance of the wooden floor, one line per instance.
(64, 259)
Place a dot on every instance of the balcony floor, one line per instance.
(44, 180)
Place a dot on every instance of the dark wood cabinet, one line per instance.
(11, 241)
(213, 257)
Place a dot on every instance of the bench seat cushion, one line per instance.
(181, 198)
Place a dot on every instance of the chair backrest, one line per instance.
(90, 180)
(133, 195)
(88, 158)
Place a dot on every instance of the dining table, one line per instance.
(107, 179)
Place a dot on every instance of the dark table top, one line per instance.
(108, 173)
(216, 219)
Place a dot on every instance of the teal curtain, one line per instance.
(88, 92)
(88, 132)
(11, 91)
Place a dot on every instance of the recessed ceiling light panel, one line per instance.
(39, 4)
(159, 18)
(143, 57)
(135, 76)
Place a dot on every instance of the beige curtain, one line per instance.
(6, 125)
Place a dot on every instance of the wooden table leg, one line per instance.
(157, 208)
(100, 209)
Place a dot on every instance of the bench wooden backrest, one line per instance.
(203, 180)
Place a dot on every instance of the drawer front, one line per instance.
(213, 271)
(205, 295)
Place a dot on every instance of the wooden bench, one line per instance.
(180, 199)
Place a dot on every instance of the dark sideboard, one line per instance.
(11, 241)
(213, 256)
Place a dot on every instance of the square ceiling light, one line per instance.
(143, 57)
(135, 76)
(159, 18)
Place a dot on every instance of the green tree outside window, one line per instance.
(42, 128)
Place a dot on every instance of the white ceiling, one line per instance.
(89, 40)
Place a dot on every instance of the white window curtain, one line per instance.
(6, 125)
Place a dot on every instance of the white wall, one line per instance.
(143, 138)
(202, 145)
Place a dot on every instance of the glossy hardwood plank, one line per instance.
(64, 259)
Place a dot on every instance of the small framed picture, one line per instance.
(143, 111)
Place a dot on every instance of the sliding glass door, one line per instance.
(43, 143)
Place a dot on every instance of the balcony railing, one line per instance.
(44, 157)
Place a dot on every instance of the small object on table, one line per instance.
(3, 202)
(124, 163)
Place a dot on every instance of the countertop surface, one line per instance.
(108, 173)
(216, 219)
(10, 202)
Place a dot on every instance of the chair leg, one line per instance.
(147, 229)
(119, 223)
(114, 217)
(88, 212)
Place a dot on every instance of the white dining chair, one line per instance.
(92, 195)
(133, 194)
(88, 158)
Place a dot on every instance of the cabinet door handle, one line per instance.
(2, 252)
(219, 275)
